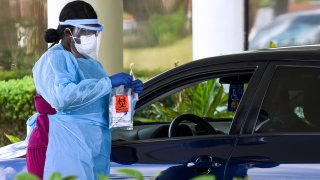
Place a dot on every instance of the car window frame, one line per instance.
(247, 99)
(207, 74)
(262, 89)
(214, 71)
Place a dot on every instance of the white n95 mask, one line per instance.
(85, 34)
(88, 44)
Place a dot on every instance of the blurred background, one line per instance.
(157, 35)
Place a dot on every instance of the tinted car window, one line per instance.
(214, 100)
(292, 101)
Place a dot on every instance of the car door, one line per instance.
(181, 156)
(281, 137)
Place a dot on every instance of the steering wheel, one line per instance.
(191, 118)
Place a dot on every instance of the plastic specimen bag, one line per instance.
(121, 106)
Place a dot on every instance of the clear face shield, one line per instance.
(86, 35)
(86, 41)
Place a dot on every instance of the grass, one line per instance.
(159, 58)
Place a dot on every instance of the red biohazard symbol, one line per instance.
(122, 104)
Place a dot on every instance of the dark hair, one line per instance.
(72, 10)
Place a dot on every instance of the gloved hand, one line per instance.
(120, 79)
(137, 86)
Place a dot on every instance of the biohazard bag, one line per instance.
(120, 108)
(122, 103)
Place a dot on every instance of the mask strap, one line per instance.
(72, 36)
(70, 31)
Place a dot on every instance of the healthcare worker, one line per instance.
(77, 89)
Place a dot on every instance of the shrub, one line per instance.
(16, 106)
(16, 98)
(166, 29)
(7, 75)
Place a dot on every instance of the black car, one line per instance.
(253, 114)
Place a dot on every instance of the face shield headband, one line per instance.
(83, 23)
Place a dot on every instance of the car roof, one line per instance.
(294, 53)
(298, 53)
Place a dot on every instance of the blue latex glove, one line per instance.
(121, 79)
(137, 86)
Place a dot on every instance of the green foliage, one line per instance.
(260, 3)
(205, 177)
(302, 1)
(70, 178)
(18, 58)
(54, 176)
(12, 139)
(26, 176)
(206, 99)
(239, 178)
(16, 99)
(57, 176)
(16, 106)
(103, 177)
(166, 29)
(132, 173)
(272, 45)
(7, 75)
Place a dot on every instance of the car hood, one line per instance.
(12, 151)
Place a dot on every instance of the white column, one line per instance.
(218, 27)
(54, 8)
(110, 15)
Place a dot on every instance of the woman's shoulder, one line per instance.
(58, 50)
(90, 62)
(58, 56)
(58, 53)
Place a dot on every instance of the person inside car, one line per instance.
(282, 117)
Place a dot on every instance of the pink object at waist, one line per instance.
(39, 136)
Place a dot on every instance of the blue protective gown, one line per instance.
(79, 137)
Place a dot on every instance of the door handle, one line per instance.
(204, 162)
